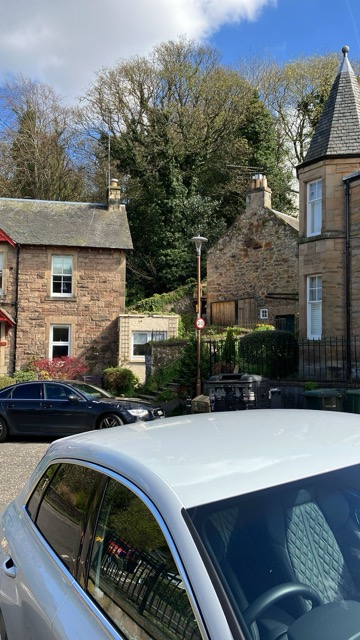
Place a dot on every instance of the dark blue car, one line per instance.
(63, 407)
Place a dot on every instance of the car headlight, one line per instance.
(139, 413)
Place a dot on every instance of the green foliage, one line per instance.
(43, 158)
(24, 376)
(264, 327)
(274, 354)
(120, 381)
(187, 374)
(229, 351)
(5, 381)
(160, 303)
(180, 122)
(310, 385)
(161, 377)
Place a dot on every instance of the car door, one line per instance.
(64, 411)
(132, 575)
(42, 553)
(23, 408)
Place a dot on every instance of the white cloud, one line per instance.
(65, 42)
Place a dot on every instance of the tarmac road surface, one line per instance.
(17, 461)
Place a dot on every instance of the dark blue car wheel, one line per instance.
(110, 420)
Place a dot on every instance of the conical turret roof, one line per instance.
(338, 130)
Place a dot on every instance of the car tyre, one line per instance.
(3, 635)
(110, 420)
(3, 436)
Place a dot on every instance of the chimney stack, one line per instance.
(259, 194)
(113, 194)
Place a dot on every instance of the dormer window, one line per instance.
(62, 276)
(314, 208)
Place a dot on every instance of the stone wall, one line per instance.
(256, 260)
(92, 312)
(325, 253)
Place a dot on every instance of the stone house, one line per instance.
(252, 271)
(329, 217)
(135, 331)
(62, 280)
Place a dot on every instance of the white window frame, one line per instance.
(314, 306)
(61, 272)
(264, 314)
(314, 208)
(54, 343)
(149, 335)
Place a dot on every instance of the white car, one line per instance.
(241, 525)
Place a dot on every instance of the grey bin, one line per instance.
(325, 399)
(353, 400)
(236, 392)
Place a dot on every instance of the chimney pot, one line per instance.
(259, 194)
(113, 194)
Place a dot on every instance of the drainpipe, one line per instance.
(16, 303)
(347, 181)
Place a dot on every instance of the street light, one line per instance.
(198, 241)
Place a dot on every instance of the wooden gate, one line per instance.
(224, 313)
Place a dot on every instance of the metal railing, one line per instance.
(329, 359)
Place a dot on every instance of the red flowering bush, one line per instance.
(64, 368)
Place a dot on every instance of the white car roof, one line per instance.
(207, 457)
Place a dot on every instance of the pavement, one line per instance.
(17, 461)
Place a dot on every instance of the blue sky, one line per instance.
(292, 28)
(64, 43)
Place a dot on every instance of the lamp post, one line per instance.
(198, 241)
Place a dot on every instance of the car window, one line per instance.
(36, 496)
(133, 576)
(4, 393)
(62, 514)
(31, 391)
(55, 391)
(90, 391)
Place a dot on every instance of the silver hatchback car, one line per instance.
(242, 525)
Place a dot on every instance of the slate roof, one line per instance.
(71, 224)
(338, 130)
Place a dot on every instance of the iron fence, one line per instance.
(329, 359)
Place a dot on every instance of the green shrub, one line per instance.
(120, 381)
(264, 327)
(5, 381)
(310, 385)
(229, 351)
(187, 372)
(274, 354)
(24, 376)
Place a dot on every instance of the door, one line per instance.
(23, 409)
(60, 413)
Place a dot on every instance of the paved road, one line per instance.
(17, 461)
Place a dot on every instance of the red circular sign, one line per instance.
(199, 323)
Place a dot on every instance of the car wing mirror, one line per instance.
(73, 398)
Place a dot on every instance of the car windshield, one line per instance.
(90, 391)
(288, 557)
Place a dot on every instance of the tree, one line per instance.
(179, 122)
(294, 94)
(40, 148)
